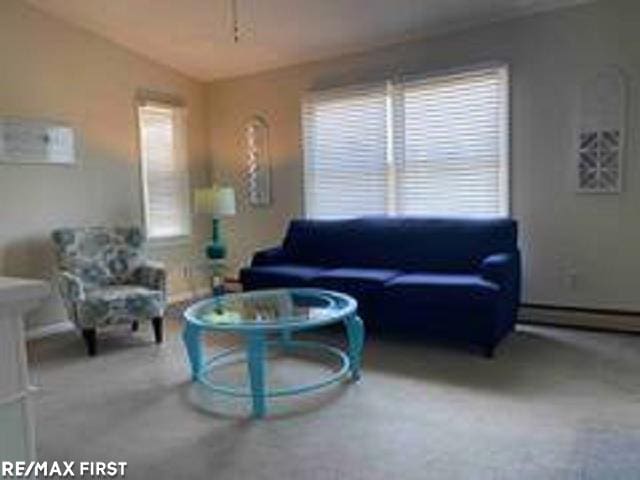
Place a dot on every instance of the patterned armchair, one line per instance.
(105, 280)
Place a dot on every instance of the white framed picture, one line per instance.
(26, 141)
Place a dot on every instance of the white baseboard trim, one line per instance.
(188, 295)
(64, 326)
(621, 322)
(42, 331)
(574, 317)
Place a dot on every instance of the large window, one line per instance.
(420, 146)
(165, 179)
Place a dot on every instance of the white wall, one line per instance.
(51, 70)
(596, 236)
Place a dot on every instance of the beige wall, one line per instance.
(51, 70)
(598, 237)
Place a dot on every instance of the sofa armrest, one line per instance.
(151, 275)
(269, 256)
(501, 268)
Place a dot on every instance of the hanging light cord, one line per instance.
(234, 19)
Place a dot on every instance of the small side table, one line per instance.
(218, 268)
(213, 270)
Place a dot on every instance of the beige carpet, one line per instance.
(553, 404)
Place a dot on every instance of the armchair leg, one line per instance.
(157, 328)
(135, 326)
(90, 341)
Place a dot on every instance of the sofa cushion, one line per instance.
(455, 290)
(354, 280)
(329, 243)
(274, 276)
(403, 243)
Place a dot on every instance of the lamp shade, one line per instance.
(217, 201)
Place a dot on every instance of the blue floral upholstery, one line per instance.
(104, 278)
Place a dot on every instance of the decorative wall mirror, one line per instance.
(257, 161)
(601, 132)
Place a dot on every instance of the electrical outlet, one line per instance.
(571, 279)
(186, 271)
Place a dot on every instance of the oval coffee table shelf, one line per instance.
(290, 347)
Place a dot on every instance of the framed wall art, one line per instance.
(601, 132)
(33, 141)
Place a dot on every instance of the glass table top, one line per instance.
(271, 310)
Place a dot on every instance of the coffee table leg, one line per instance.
(285, 338)
(256, 362)
(355, 335)
(191, 338)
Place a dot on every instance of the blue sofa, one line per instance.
(454, 278)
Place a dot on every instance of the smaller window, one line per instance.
(165, 178)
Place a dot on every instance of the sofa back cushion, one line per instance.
(404, 243)
(99, 255)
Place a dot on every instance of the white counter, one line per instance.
(17, 432)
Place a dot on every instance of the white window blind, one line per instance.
(345, 144)
(164, 171)
(454, 142)
(441, 147)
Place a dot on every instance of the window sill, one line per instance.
(169, 242)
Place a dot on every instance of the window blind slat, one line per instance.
(164, 171)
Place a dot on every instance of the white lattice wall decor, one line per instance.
(600, 142)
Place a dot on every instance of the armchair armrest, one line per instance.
(151, 275)
(269, 256)
(501, 268)
(71, 287)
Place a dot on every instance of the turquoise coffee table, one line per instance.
(269, 318)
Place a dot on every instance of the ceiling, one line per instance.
(195, 36)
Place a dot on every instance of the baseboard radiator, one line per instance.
(614, 320)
